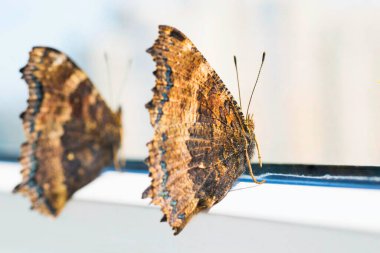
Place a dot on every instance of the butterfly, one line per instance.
(202, 142)
(71, 132)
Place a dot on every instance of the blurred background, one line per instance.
(318, 99)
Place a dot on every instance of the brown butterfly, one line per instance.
(71, 132)
(202, 142)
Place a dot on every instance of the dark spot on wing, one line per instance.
(177, 35)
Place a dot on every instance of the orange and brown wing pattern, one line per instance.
(71, 133)
(200, 135)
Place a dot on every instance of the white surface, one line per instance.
(109, 213)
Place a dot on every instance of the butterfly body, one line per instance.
(71, 133)
(201, 139)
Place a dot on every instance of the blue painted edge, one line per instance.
(346, 176)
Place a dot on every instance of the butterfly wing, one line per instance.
(199, 143)
(71, 133)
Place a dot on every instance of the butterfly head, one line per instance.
(116, 137)
(250, 123)
(119, 112)
(118, 121)
(250, 135)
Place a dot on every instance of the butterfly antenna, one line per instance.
(125, 80)
(237, 77)
(110, 93)
(257, 79)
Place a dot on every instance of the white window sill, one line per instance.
(265, 218)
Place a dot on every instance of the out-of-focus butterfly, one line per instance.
(71, 132)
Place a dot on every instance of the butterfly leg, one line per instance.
(251, 171)
(116, 163)
(258, 152)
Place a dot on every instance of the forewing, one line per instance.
(70, 131)
(199, 141)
